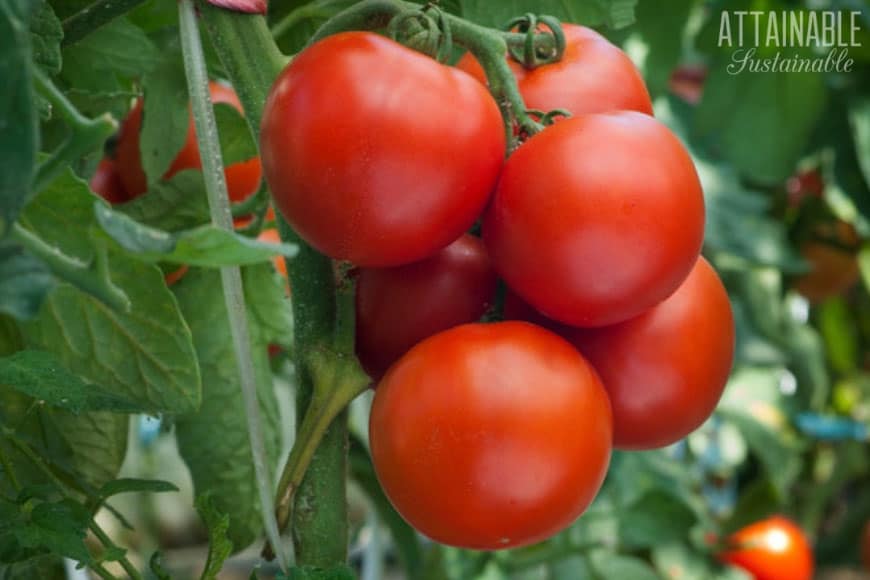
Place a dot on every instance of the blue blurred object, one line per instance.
(831, 428)
(148, 429)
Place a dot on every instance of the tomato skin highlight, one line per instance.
(593, 76)
(376, 153)
(771, 549)
(106, 182)
(665, 370)
(243, 178)
(490, 436)
(597, 218)
(398, 307)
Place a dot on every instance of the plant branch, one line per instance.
(128, 567)
(219, 206)
(91, 278)
(311, 11)
(93, 16)
(87, 134)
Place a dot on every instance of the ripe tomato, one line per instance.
(593, 76)
(271, 235)
(771, 549)
(665, 370)
(376, 153)
(243, 178)
(490, 436)
(596, 218)
(398, 307)
(106, 182)
(832, 271)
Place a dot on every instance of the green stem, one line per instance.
(7, 469)
(219, 206)
(87, 134)
(101, 571)
(128, 567)
(93, 279)
(314, 10)
(93, 16)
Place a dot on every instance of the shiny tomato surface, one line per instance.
(597, 218)
(490, 436)
(376, 153)
(666, 369)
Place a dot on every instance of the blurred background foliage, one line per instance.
(785, 163)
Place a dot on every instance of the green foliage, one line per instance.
(165, 115)
(312, 573)
(24, 282)
(214, 440)
(46, 34)
(219, 544)
(610, 13)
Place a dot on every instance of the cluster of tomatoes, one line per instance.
(616, 333)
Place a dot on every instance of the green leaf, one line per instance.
(176, 204)
(59, 528)
(219, 544)
(655, 517)
(340, 572)
(662, 32)
(155, 564)
(404, 536)
(609, 566)
(762, 122)
(24, 282)
(18, 115)
(758, 500)
(207, 246)
(117, 50)
(165, 118)
(128, 485)
(40, 375)
(236, 141)
(837, 327)
(46, 34)
(214, 441)
(611, 13)
(864, 264)
(859, 119)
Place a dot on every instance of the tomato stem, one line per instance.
(91, 278)
(219, 206)
(87, 134)
(94, 16)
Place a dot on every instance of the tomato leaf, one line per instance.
(235, 138)
(18, 116)
(214, 441)
(58, 527)
(661, 30)
(608, 566)
(340, 572)
(219, 545)
(46, 34)
(128, 485)
(612, 13)
(40, 375)
(176, 204)
(206, 246)
(24, 282)
(657, 516)
(165, 117)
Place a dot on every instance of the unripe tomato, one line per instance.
(771, 549)
(376, 153)
(832, 271)
(243, 178)
(665, 370)
(106, 182)
(596, 218)
(490, 436)
(593, 76)
(398, 307)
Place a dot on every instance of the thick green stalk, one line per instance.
(231, 278)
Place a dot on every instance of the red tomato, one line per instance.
(176, 275)
(376, 153)
(771, 549)
(665, 370)
(490, 436)
(594, 76)
(398, 307)
(596, 218)
(271, 235)
(243, 178)
(106, 182)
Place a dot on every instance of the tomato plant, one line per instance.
(363, 177)
(771, 549)
(585, 242)
(511, 457)
(593, 76)
(398, 307)
(242, 178)
(665, 370)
